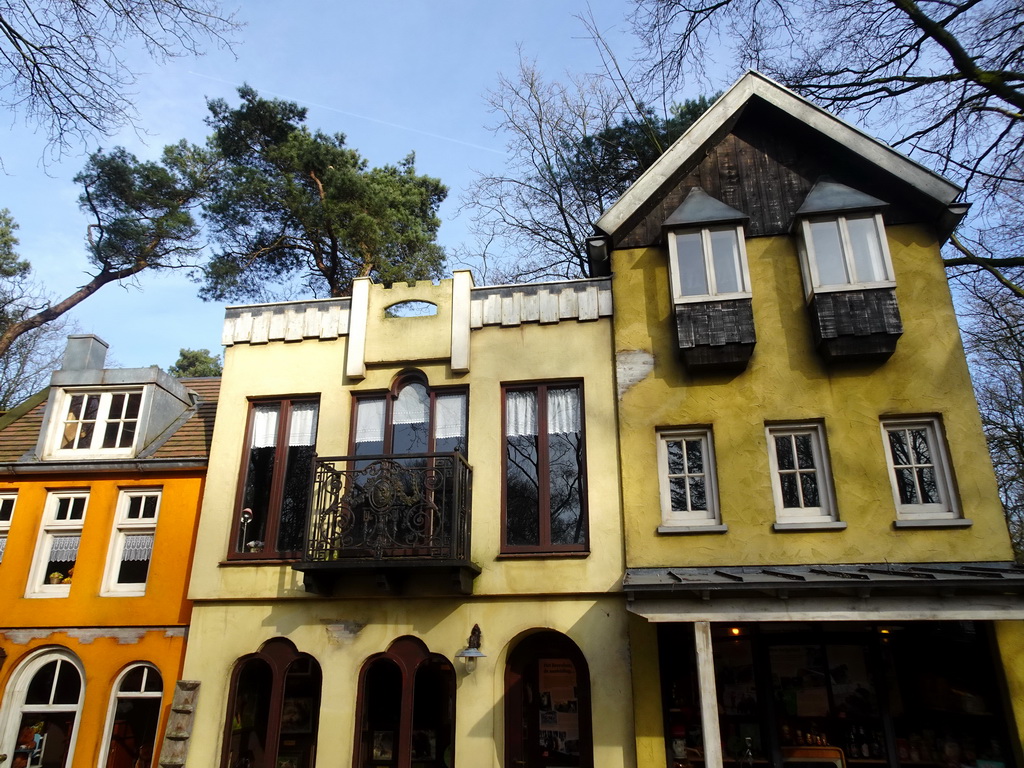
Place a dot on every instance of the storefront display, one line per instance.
(923, 693)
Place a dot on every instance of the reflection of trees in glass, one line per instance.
(522, 491)
(566, 494)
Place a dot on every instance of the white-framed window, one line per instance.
(40, 710)
(7, 501)
(801, 480)
(710, 262)
(105, 423)
(919, 468)
(133, 717)
(689, 493)
(841, 251)
(53, 566)
(131, 546)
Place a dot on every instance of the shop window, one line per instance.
(278, 473)
(7, 501)
(410, 419)
(131, 549)
(920, 470)
(130, 738)
(273, 709)
(44, 709)
(547, 704)
(545, 471)
(57, 549)
(406, 709)
(105, 423)
(686, 464)
(801, 483)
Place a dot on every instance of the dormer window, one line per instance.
(710, 283)
(708, 262)
(846, 250)
(847, 273)
(101, 422)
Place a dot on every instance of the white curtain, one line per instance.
(370, 421)
(302, 425)
(449, 416)
(137, 547)
(412, 405)
(264, 426)
(64, 549)
(520, 413)
(563, 411)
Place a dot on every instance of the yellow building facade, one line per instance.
(455, 594)
(818, 567)
(101, 480)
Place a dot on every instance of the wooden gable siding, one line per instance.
(764, 165)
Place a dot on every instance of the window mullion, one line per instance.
(543, 469)
(847, 247)
(709, 271)
(284, 419)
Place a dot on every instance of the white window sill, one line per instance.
(707, 298)
(691, 529)
(934, 522)
(824, 525)
(853, 287)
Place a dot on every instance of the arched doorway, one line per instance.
(547, 704)
(406, 709)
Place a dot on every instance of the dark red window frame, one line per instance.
(390, 396)
(544, 543)
(279, 479)
(255, 724)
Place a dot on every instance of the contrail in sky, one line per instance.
(362, 117)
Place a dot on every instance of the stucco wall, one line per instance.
(787, 381)
(341, 636)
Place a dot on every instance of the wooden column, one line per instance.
(708, 695)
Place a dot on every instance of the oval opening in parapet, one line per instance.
(411, 309)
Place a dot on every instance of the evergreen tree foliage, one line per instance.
(193, 363)
(291, 206)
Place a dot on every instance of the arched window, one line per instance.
(411, 418)
(45, 700)
(406, 710)
(130, 737)
(547, 704)
(272, 709)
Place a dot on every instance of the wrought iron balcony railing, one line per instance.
(375, 510)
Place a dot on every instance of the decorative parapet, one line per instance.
(286, 321)
(376, 337)
(512, 305)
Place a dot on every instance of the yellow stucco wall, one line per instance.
(787, 381)
(1010, 638)
(240, 606)
(530, 352)
(341, 636)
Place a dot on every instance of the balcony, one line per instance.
(391, 518)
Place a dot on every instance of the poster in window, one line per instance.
(559, 707)
(289, 760)
(383, 745)
(297, 715)
(424, 745)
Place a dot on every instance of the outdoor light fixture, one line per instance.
(472, 651)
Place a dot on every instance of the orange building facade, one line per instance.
(101, 477)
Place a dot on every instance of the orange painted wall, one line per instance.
(161, 615)
(164, 602)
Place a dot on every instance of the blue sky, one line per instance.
(393, 75)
